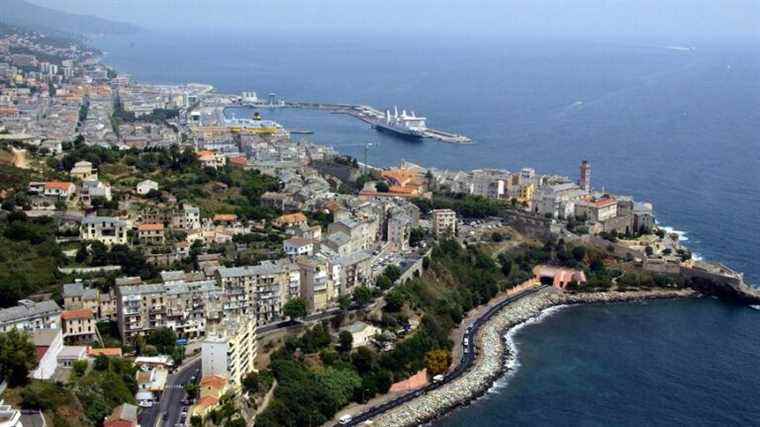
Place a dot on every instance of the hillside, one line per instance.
(24, 14)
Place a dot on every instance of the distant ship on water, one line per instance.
(403, 125)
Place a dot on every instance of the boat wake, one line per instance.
(512, 356)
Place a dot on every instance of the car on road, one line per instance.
(438, 378)
(345, 419)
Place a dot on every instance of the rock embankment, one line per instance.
(490, 363)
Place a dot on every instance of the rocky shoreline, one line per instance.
(493, 353)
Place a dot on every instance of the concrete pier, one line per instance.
(364, 113)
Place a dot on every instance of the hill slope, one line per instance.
(24, 14)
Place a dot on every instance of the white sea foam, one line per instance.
(512, 362)
(680, 233)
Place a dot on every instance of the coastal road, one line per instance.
(468, 358)
(167, 412)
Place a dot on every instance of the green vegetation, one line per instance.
(17, 357)
(295, 308)
(465, 205)
(29, 257)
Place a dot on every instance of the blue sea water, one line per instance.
(677, 127)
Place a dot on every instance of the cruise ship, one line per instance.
(403, 125)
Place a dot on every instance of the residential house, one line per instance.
(296, 246)
(83, 171)
(48, 344)
(297, 219)
(107, 230)
(62, 190)
(151, 234)
(124, 415)
(145, 187)
(362, 333)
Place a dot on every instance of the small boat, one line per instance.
(755, 307)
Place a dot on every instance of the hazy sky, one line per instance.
(675, 18)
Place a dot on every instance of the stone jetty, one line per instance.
(490, 363)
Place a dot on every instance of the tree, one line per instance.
(235, 422)
(345, 341)
(79, 367)
(393, 272)
(382, 187)
(362, 295)
(196, 421)
(416, 236)
(437, 361)
(164, 339)
(250, 382)
(344, 302)
(394, 301)
(295, 308)
(649, 251)
(17, 357)
(383, 282)
(579, 253)
(192, 390)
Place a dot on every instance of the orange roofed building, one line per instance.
(557, 276)
(290, 220)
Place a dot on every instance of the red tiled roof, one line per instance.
(109, 351)
(214, 381)
(84, 313)
(225, 217)
(58, 185)
(150, 227)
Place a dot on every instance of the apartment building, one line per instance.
(229, 349)
(151, 234)
(29, 316)
(260, 290)
(185, 307)
(444, 222)
(317, 285)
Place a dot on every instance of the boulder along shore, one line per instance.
(493, 351)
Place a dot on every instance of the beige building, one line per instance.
(185, 307)
(229, 349)
(444, 222)
(259, 290)
(151, 234)
(83, 171)
(317, 285)
(107, 230)
(79, 325)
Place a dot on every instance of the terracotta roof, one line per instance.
(214, 381)
(604, 202)
(84, 313)
(238, 161)
(225, 217)
(58, 185)
(291, 218)
(207, 402)
(150, 227)
(109, 351)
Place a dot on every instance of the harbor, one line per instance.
(377, 119)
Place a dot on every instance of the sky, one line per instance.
(656, 18)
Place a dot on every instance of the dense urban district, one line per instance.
(164, 264)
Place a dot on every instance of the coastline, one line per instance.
(496, 356)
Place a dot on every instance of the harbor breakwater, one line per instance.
(495, 351)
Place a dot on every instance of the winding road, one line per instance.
(468, 358)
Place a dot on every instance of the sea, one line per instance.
(675, 123)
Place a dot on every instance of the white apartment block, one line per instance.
(229, 349)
